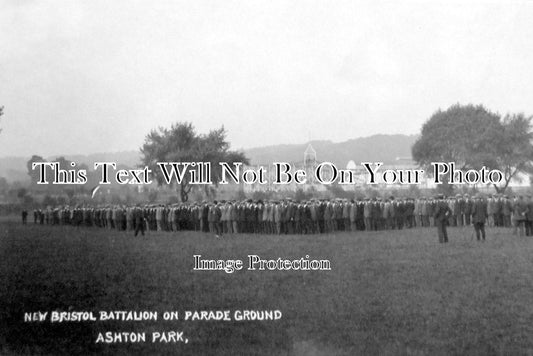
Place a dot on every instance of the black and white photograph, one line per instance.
(280, 177)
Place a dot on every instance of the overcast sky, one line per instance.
(95, 76)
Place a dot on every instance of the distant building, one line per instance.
(310, 156)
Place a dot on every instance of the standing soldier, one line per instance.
(400, 211)
(159, 217)
(468, 209)
(410, 212)
(315, 227)
(346, 215)
(498, 214)
(211, 218)
(352, 213)
(368, 215)
(386, 214)
(277, 218)
(417, 212)
(202, 216)
(442, 212)
(460, 210)
(138, 220)
(264, 218)
(491, 208)
(297, 217)
(109, 220)
(259, 209)
(234, 217)
(24, 216)
(430, 208)
(224, 217)
(529, 217)
(424, 212)
(376, 214)
(519, 215)
(506, 211)
(129, 218)
(338, 220)
(479, 216)
(328, 212)
(229, 217)
(454, 207)
(287, 217)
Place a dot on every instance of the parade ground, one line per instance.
(387, 293)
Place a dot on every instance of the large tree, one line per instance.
(181, 143)
(473, 137)
(34, 173)
(515, 149)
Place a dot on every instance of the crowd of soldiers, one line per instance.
(290, 217)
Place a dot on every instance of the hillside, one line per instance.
(382, 148)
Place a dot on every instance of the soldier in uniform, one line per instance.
(506, 211)
(138, 220)
(467, 209)
(479, 216)
(352, 213)
(441, 214)
(529, 217)
(368, 215)
(520, 209)
(24, 216)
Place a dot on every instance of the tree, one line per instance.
(181, 143)
(473, 137)
(21, 193)
(462, 134)
(516, 150)
(49, 200)
(35, 173)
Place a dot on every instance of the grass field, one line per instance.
(388, 293)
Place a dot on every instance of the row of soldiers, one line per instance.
(281, 217)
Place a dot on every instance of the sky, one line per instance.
(81, 77)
